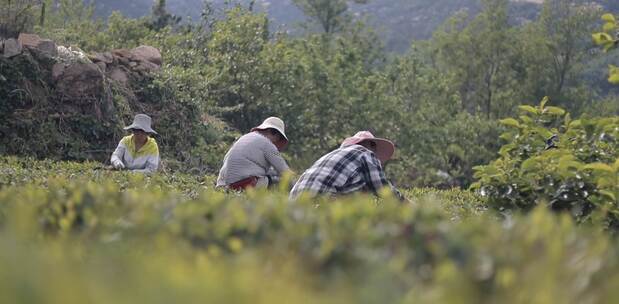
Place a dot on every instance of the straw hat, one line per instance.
(272, 123)
(141, 122)
(384, 147)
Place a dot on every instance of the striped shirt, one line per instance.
(345, 170)
(145, 160)
(251, 155)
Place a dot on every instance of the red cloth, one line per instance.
(245, 183)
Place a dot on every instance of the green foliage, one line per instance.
(34, 121)
(59, 231)
(160, 18)
(312, 83)
(507, 64)
(28, 171)
(227, 73)
(486, 81)
(331, 91)
(439, 142)
(444, 157)
(76, 27)
(554, 161)
(38, 121)
(605, 38)
(234, 58)
(71, 22)
(608, 40)
(565, 28)
(331, 15)
(18, 16)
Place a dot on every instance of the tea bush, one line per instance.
(72, 234)
(552, 160)
(21, 171)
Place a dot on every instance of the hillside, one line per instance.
(398, 22)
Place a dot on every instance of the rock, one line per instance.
(12, 48)
(118, 75)
(1, 45)
(147, 53)
(147, 66)
(29, 40)
(57, 71)
(47, 47)
(101, 66)
(106, 57)
(32, 41)
(124, 53)
(122, 56)
(80, 80)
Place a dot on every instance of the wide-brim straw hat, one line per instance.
(273, 123)
(384, 147)
(142, 122)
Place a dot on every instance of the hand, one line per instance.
(118, 165)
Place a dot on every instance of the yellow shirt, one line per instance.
(145, 160)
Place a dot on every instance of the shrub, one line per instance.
(608, 40)
(552, 160)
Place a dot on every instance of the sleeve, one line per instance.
(119, 153)
(221, 178)
(272, 171)
(275, 159)
(374, 176)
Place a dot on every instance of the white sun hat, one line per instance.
(141, 122)
(272, 123)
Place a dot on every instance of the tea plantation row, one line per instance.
(74, 233)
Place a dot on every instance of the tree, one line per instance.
(554, 59)
(565, 26)
(234, 47)
(331, 15)
(482, 59)
(160, 17)
(440, 142)
(17, 16)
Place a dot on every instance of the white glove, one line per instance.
(118, 164)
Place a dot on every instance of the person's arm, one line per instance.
(375, 178)
(275, 159)
(117, 156)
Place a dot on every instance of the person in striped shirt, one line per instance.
(254, 160)
(137, 152)
(355, 166)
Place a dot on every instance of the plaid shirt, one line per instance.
(342, 171)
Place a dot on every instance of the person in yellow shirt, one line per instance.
(137, 152)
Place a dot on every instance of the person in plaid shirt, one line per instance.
(355, 166)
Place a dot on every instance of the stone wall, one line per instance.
(70, 102)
